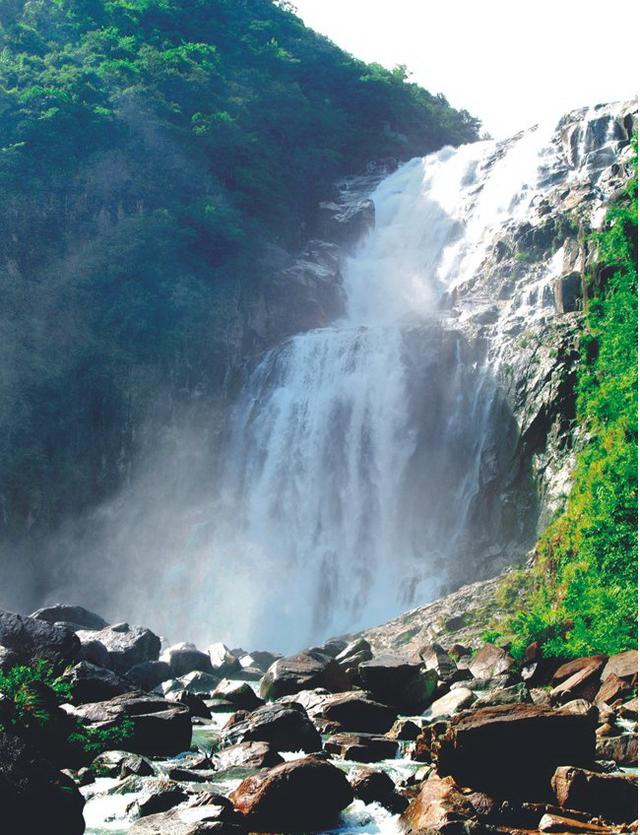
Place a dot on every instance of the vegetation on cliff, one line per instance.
(581, 596)
(149, 150)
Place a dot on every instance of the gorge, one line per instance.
(416, 441)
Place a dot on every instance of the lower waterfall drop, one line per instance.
(359, 452)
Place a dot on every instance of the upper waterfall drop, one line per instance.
(358, 450)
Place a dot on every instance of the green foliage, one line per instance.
(36, 691)
(94, 741)
(582, 595)
(20, 684)
(149, 149)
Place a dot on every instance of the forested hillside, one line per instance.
(149, 149)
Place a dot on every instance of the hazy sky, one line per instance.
(510, 63)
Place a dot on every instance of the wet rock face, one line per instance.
(300, 796)
(126, 645)
(484, 749)
(614, 796)
(284, 727)
(34, 797)
(31, 639)
(304, 671)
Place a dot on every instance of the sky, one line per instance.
(509, 63)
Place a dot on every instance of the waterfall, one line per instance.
(358, 451)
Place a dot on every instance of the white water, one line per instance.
(327, 532)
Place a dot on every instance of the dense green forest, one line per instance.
(149, 149)
(582, 595)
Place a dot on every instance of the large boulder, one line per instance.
(185, 658)
(373, 786)
(355, 712)
(191, 820)
(120, 764)
(440, 807)
(362, 748)
(223, 662)
(305, 795)
(512, 751)
(613, 796)
(594, 663)
(149, 674)
(455, 701)
(79, 616)
(202, 684)
(434, 657)
(246, 755)
(303, 671)
(34, 796)
(284, 727)
(578, 679)
(491, 661)
(622, 750)
(126, 645)
(195, 704)
(396, 681)
(240, 694)
(354, 654)
(259, 659)
(624, 665)
(160, 728)
(90, 683)
(31, 639)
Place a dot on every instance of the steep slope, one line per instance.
(158, 160)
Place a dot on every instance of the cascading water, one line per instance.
(358, 451)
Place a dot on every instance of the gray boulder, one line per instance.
(31, 639)
(284, 727)
(126, 645)
(79, 616)
(223, 662)
(186, 658)
(304, 671)
(396, 681)
(149, 674)
(90, 683)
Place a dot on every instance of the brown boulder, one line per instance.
(570, 668)
(304, 795)
(613, 688)
(361, 748)
(568, 826)
(583, 684)
(491, 661)
(624, 665)
(622, 749)
(439, 808)
(613, 796)
(512, 751)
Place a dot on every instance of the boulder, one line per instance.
(246, 755)
(512, 751)
(185, 658)
(239, 694)
(90, 683)
(126, 645)
(355, 712)
(79, 616)
(8, 659)
(185, 775)
(149, 674)
(354, 654)
(434, 657)
(223, 662)
(613, 796)
(583, 684)
(303, 671)
(629, 710)
(550, 822)
(202, 684)
(195, 704)
(259, 659)
(34, 796)
(623, 664)
(620, 749)
(362, 748)
(333, 647)
(593, 663)
(612, 689)
(284, 727)
(440, 807)
(31, 639)
(158, 796)
(404, 730)
(491, 661)
(160, 728)
(300, 796)
(94, 652)
(372, 786)
(197, 820)
(396, 681)
(120, 764)
(451, 703)
(516, 694)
